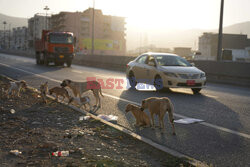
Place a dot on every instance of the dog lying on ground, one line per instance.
(59, 91)
(159, 106)
(79, 87)
(141, 117)
(14, 88)
(44, 91)
(82, 101)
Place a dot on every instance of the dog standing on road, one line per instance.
(141, 117)
(59, 91)
(79, 87)
(14, 88)
(159, 106)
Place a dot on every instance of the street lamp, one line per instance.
(4, 23)
(93, 33)
(46, 9)
(219, 50)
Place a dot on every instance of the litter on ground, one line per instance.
(188, 121)
(109, 118)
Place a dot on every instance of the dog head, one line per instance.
(44, 88)
(66, 82)
(128, 108)
(23, 84)
(144, 105)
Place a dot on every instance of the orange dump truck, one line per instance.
(57, 47)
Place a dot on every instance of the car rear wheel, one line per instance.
(196, 90)
(69, 62)
(158, 83)
(132, 80)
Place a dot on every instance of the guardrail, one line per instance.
(237, 73)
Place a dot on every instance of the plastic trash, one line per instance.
(81, 118)
(109, 118)
(188, 120)
(15, 152)
(60, 153)
(12, 111)
(86, 118)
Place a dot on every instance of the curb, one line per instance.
(128, 132)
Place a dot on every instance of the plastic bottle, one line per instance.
(60, 153)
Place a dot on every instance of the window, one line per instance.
(142, 59)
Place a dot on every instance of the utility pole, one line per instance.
(46, 19)
(93, 29)
(220, 35)
(4, 23)
(9, 34)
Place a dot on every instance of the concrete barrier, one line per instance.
(237, 73)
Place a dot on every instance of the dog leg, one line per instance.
(153, 121)
(172, 123)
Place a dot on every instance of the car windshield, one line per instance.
(169, 60)
(61, 38)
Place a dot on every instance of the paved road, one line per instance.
(222, 140)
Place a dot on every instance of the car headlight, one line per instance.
(170, 74)
(203, 75)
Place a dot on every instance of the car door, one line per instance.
(151, 71)
(139, 68)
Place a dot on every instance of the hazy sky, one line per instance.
(143, 14)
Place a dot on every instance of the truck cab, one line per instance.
(57, 47)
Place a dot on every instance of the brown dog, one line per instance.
(159, 106)
(44, 91)
(79, 87)
(59, 91)
(82, 101)
(141, 117)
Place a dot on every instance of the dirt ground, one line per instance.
(37, 130)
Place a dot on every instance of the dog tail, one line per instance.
(100, 90)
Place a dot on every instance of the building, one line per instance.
(35, 26)
(183, 52)
(208, 44)
(5, 39)
(20, 38)
(109, 31)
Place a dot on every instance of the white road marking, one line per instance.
(128, 101)
(76, 71)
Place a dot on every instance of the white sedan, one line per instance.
(165, 70)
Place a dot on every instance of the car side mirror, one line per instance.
(151, 63)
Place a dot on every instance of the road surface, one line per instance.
(223, 139)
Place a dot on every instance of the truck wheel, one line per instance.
(69, 62)
(196, 90)
(46, 62)
(38, 62)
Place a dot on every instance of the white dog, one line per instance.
(82, 101)
(15, 87)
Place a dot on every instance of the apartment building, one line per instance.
(19, 38)
(35, 26)
(109, 31)
(208, 44)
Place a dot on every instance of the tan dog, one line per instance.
(141, 117)
(44, 90)
(159, 106)
(59, 91)
(79, 87)
(14, 88)
(82, 101)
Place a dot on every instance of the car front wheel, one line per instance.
(132, 80)
(158, 83)
(196, 90)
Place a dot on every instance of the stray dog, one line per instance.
(159, 106)
(79, 87)
(82, 101)
(141, 117)
(15, 87)
(59, 91)
(44, 91)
